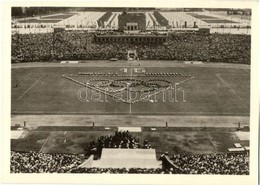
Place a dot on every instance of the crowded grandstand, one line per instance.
(183, 36)
(76, 45)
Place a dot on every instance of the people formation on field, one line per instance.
(76, 45)
(121, 139)
(37, 162)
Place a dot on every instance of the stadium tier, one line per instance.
(218, 21)
(102, 20)
(74, 45)
(33, 162)
(155, 35)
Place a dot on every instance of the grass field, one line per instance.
(213, 91)
(215, 97)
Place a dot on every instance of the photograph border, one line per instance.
(7, 177)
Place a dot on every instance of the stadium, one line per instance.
(130, 90)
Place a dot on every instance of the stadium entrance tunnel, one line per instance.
(131, 55)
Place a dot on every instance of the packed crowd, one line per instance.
(229, 164)
(121, 139)
(218, 164)
(31, 47)
(34, 162)
(77, 45)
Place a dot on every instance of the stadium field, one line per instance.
(212, 91)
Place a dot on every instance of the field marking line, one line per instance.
(43, 144)
(213, 144)
(190, 78)
(125, 113)
(148, 63)
(232, 90)
(31, 87)
(130, 109)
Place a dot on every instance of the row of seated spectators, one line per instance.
(228, 163)
(34, 162)
(121, 139)
(221, 164)
(82, 46)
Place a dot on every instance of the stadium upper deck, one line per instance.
(219, 22)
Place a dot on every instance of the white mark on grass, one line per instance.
(31, 87)
(43, 144)
(216, 150)
(232, 90)
(130, 106)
